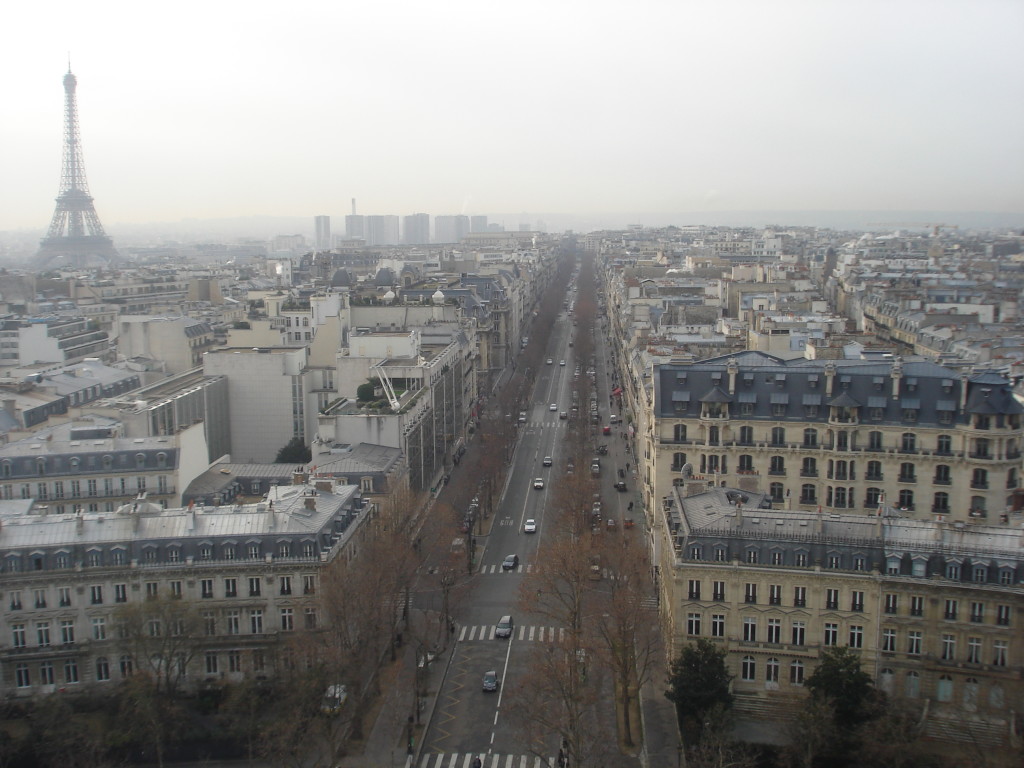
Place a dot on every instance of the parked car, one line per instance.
(510, 563)
(491, 681)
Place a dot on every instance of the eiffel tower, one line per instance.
(76, 237)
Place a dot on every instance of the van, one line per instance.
(504, 627)
(613, 419)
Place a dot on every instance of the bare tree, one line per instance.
(162, 636)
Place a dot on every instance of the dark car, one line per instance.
(620, 486)
(510, 563)
(491, 681)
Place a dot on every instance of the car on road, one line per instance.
(510, 563)
(538, 483)
(504, 627)
(550, 361)
(611, 522)
(491, 681)
(620, 486)
(563, 415)
(553, 407)
(561, 362)
(530, 526)
(522, 417)
(547, 461)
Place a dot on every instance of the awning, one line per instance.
(910, 403)
(780, 398)
(876, 402)
(680, 397)
(945, 405)
(812, 399)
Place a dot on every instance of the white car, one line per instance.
(561, 362)
(547, 461)
(530, 526)
(539, 483)
(553, 407)
(550, 361)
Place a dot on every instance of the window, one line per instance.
(64, 596)
(751, 555)
(256, 621)
(859, 563)
(175, 589)
(120, 593)
(102, 669)
(809, 468)
(796, 673)
(974, 650)
(916, 605)
(254, 586)
(18, 635)
(914, 642)
(977, 612)
(1003, 615)
(99, 628)
(832, 599)
(799, 596)
(721, 554)
(777, 558)
(856, 636)
(232, 619)
(67, 631)
(874, 441)
(229, 552)
(999, 653)
(874, 471)
(153, 627)
(70, 671)
(211, 663)
(908, 442)
(308, 585)
(777, 492)
(230, 587)
(799, 632)
(254, 551)
(775, 594)
(801, 559)
(96, 594)
(951, 609)
(209, 623)
(776, 465)
(22, 677)
(694, 589)
(750, 593)
(748, 669)
(774, 630)
(718, 625)
(944, 690)
(234, 661)
(15, 600)
(125, 665)
(750, 629)
(808, 494)
(892, 602)
(693, 624)
(43, 633)
(912, 685)
(942, 475)
(889, 640)
(152, 589)
(856, 600)
(288, 620)
(46, 673)
(771, 671)
(831, 634)
(40, 597)
(312, 620)
(778, 436)
(810, 438)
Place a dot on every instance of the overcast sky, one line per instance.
(223, 108)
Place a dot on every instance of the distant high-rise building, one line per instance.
(76, 236)
(382, 230)
(323, 232)
(477, 223)
(416, 229)
(450, 229)
(355, 226)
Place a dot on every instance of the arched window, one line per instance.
(912, 685)
(941, 503)
(908, 442)
(771, 671)
(796, 673)
(979, 478)
(971, 694)
(872, 497)
(809, 467)
(125, 663)
(944, 444)
(942, 475)
(777, 465)
(996, 700)
(810, 438)
(140, 461)
(885, 680)
(108, 462)
(41, 465)
(746, 463)
(808, 495)
(907, 472)
(679, 433)
(778, 436)
(906, 499)
(5, 467)
(874, 471)
(777, 492)
(874, 441)
(161, 460)
(944, 689)
(748, 669)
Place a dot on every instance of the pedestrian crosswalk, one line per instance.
(524, 633)
(465, 760)
(521, 568)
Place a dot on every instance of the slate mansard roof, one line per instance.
(764, 382)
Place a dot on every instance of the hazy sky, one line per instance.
(222, 108)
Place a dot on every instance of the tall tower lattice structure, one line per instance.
(76, 236)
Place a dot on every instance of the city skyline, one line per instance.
(568, 109)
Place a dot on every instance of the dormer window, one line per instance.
(911, 384)
(879, 382)
(812, 381)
